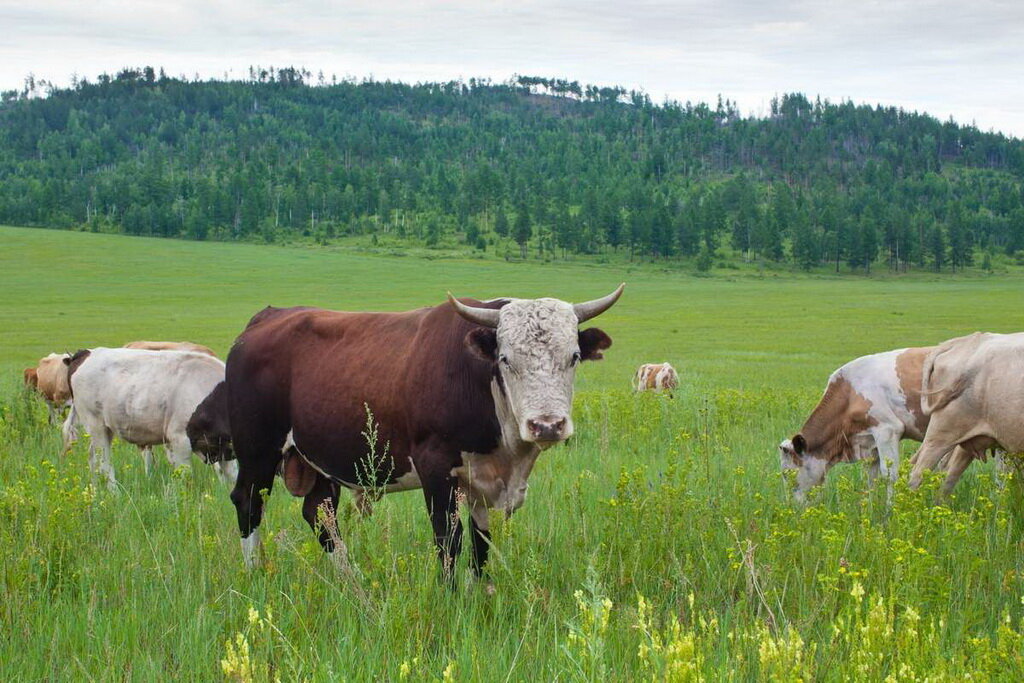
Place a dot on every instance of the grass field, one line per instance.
(658, 543)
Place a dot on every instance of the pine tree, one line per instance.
(937, 247)
(804, 245)
(522, 230)
(501, 224)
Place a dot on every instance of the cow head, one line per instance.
(208, 430)
(536, 345)
(810, 470)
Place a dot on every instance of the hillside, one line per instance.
(531, 168)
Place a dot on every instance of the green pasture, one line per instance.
(657, 544)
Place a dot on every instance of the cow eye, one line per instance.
(503, 359)
(576, 358)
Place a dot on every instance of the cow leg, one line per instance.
(319, 508)
(179, 451)
(927, 456)
(227, 471)
(888, 449)
(364, 500)
(255, 480)
(958, 462)
(480, 525)
(439, 492)
(873, 469)
(147, 458)
(99, 454)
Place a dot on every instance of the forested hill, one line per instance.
(533, 167)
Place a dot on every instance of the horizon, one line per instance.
(313, 80)
(937, 57)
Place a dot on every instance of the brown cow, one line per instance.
(464, 395)
(51, 381)
(170, 346)
(31, 378)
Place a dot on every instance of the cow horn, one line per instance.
(592, 309)
(488, 317)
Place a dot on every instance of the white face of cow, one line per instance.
(810, 470)
(538, 351)
(536, 345)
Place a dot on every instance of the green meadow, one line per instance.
(659, 543)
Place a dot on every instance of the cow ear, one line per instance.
(483, 343)
(799, 444)
(592, 341)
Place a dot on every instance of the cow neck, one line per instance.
(826, 427)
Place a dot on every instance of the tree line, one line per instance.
(532, 166)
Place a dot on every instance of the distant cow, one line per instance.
(973, 392)
(31, 378)
(462, 396)
(869, 406)
(170, 346)
(656, 377)
(143, 397)
(51, 381)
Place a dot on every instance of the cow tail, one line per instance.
(69, 430)
(936, 399)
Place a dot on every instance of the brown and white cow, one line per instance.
(464, 395)
(656, 377)
(870, 405)
(51, 381)
(170, 346)
(973, 394)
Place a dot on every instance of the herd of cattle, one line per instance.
(461, 398)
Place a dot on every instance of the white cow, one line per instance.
(656, 377)
(973, 392)
(143, 397)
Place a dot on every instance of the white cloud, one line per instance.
(949, 58)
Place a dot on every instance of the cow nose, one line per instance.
(546, 429)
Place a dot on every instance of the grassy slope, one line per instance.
(150, 582)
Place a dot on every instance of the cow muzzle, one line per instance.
(547, 430)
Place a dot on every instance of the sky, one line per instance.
(963, 59)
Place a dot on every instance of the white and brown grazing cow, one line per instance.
(142, 397)
(51, 381)
(170, 346)
(870, 405)
(655, 377)
(972, 391)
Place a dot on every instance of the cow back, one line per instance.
(322, 375)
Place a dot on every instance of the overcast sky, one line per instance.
(963, 58)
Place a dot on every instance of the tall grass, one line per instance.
(658, 543)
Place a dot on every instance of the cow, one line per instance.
(51, 381)
(143, 397)
(461, 396)
(30, 376)
(656, 377)
(170, 346)
(869, 406)
(972, 391)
